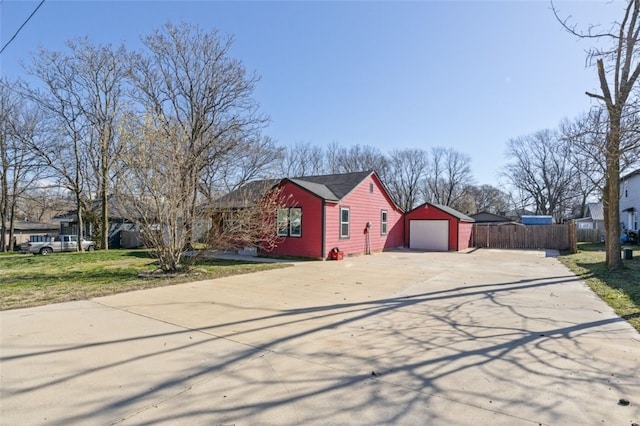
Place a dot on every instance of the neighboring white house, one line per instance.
(630, 200)
(593, 217)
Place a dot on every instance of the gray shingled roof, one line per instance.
(23, 225)
(246, 195)
(488, 217)
(331, 187)
(328, 187)
(454, 213)
(316, 188)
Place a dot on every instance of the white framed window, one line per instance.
(383, 222)
(295, 222)
(282, 220)
(344, 222)
(289, 222)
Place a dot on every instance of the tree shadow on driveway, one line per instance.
(482, 347)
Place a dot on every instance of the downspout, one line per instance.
(323, 243)
(458, 235)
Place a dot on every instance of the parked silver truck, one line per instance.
(50, 244)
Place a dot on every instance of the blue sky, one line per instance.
(467, 75)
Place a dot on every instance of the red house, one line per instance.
(349, 213)
(437, 227)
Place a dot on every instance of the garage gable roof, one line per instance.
(595, 211)
(463, 217)
(452, 212)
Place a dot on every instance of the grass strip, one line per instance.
(32, 280)
(619, 289)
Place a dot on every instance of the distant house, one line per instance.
(516, 215)
(350, 212)
(24, 229)
(486, 217)
(593, 217)
(630, 200)
(122, 230)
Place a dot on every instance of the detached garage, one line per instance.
(438, 228)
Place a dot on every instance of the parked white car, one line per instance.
(47, 245)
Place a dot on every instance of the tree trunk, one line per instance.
(605, 210)
(104, 171)
(4, 197)
(80, 221)
(104, 220)
(12, 227)
(613, 258)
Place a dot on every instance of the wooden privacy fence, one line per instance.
(591, 235)
(516, 236)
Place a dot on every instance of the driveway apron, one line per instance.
(485, 337)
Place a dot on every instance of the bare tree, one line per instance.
(156, 193)
(152, 159)
(303, 159)
(487, 198)
(540, 167)
(407, 169)
(618, 70)
(194, 90)
(99, 74)
(248, 160)
(18, 167)
(42, 203)
(249, 217)
(586, 137)
(255, 159)
(357, 158)
(62, 145)
(449, 176)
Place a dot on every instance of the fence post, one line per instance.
(488, 245)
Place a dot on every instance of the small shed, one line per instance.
(438, 228)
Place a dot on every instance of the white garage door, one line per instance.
(429, 235)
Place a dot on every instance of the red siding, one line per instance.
(310, 243)
(459, 232)
(364, 206)
(464, 232)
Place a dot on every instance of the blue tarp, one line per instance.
(537, 220)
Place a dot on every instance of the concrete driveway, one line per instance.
(487, 337)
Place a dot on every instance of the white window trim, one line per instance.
(291, 234)
(384, 222)
(347, 209)
(280, 233)
(287, 231)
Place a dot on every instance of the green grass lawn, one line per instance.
(32, 280)
(620, 289)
